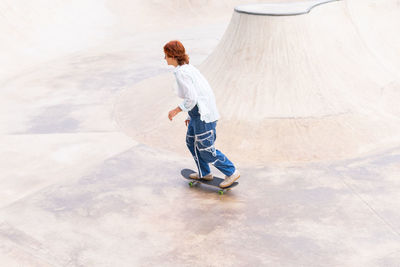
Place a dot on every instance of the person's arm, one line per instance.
(188, 93)
(187, 121)
(173, 113)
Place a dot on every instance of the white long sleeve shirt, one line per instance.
(194, 89)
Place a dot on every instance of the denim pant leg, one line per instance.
(224, 164)
(202, 165)
(205, 136)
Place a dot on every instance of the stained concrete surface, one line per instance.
(123, 213)
(86, 194)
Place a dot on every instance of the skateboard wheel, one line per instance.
(191, 184)
(221, 192)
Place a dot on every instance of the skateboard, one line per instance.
(215, 182)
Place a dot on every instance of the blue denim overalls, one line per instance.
(200, 140)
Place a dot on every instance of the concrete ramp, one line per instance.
(378, 23)
(34, 33)
(289, 88)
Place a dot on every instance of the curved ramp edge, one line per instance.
(281, 9)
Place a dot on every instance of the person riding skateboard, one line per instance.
(199, 102)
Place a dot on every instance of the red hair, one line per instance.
(175, 49)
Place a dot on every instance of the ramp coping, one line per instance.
(281, 9)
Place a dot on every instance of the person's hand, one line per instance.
(187, 122)
(173, 113)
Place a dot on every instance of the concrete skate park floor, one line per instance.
(75, 191)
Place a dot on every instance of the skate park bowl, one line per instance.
(90, 169)
(285, 85)
(378, 24)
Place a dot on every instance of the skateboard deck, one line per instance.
(214, 182)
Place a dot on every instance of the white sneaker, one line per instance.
(195, 175)
(230, 179)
